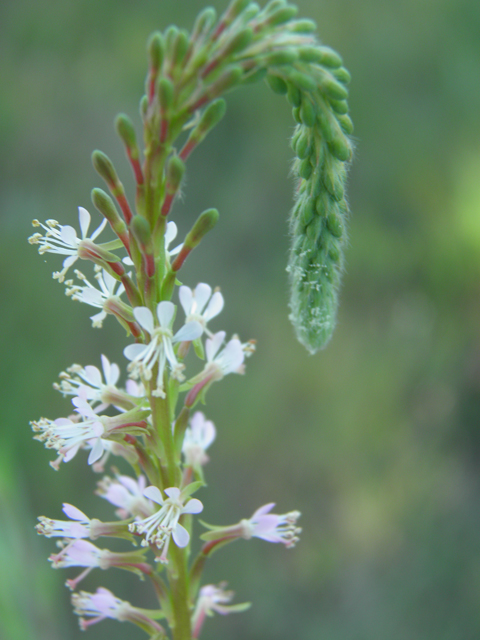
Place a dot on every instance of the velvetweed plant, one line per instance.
(151, 422)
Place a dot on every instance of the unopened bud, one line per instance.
(126, 131)
(105, 205)
(204, 223)
(302, 81)
(343, 75)
(155, 48)
(175, 171)
(227, 80)
(104, 167)
(236, 8)
(141, 230)
(302, 26)
(331, 87)
(339, 106)
(280, 58)
(179, 48)
(165, 94)
(239, 41)
(282, 15)
(203, 23)
(277, 85)
(294, 96)
(210, 118)
(307, 112)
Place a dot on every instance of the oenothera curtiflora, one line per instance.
(151, 422)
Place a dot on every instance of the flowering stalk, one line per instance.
(150, 421)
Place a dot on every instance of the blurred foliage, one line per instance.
(376, 440)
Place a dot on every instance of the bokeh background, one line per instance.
(377, 439)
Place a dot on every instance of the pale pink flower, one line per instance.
(198, 437)
(89, 383)
(77, 527)
(126, 493)
(214, 599)
(164, 523)
(272, 527)
(103, 604)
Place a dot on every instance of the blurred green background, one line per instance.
(377, 439)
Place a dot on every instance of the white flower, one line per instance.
(229, 360)
(67, 436)
(88, 382)
(89, 294)
(195, 305)
(63, 239)
(272, 527)
(127, 494)
(198, 437)
(143, 357)
(162, 525)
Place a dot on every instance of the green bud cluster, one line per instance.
(315, 87)
(188, 76)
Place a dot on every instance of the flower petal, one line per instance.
(180, 536)
(165, 311)
(193, 506)
(185, 296)
(154, 493)
(190, 331)
(68, 236)
(214, 306)
(97, 451)
(93, 376)
(73, 513)
(173, 492)
(213, 345)
(133, 351)
(203, 291)
(144, 317)
(84, 218)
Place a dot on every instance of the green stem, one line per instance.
(178, 577)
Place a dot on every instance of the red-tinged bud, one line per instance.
(141, 230)
(88, 250)
(126, 131)
(104, 167)
(204, 223)
(175, 172)
(194, 392)
(155, 48)
(209, 119)
(105, 205)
